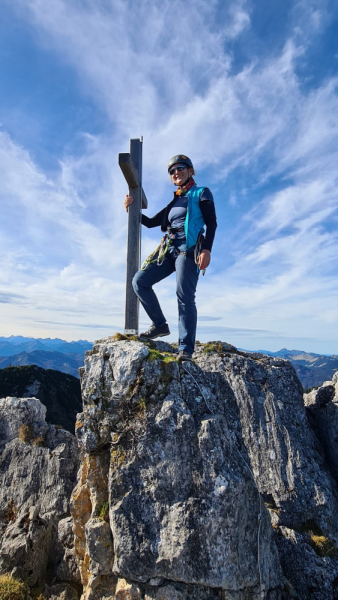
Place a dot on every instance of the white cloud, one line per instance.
(53, 257)
(171, 80)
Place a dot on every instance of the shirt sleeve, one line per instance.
(153, 221)
(207, 207)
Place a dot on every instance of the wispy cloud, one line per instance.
(6, 298)
(262, 136)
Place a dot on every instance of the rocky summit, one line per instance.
(202, 480)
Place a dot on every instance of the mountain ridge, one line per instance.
(59, 392)
(312, 368)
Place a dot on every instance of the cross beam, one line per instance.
(131, 166)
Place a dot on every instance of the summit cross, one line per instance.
(131, 166)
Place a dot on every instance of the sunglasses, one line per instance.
(178, 168)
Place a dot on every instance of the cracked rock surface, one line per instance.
(196, 481)
(322, 406)
(38, 468)
(184, 510)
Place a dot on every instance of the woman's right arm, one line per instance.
(128, 201)
(147, 221)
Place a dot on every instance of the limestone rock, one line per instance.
(59, 392)
(286, 460)
(25, 548)
(181, 453)
(322, 406)
(308, 575)
(127, 591)
(197, 481)
(38, 462)
(89, 499)
(100, 546)
(38, 467)
(183, 505)
(66, 567)
(16, 413)
(60, 591)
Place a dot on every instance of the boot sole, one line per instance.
(154, 337)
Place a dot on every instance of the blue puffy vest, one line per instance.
(194, 222)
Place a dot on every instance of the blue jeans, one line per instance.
(187, 275)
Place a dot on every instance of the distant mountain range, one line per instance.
(24, 344)
(312, 369)
(48, 353)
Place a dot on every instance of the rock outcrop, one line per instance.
(199, 480)
(60, 393)
(288, 464)
(207, 469)
(322, 407)
(38, 467)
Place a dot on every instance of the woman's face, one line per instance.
(180, 177)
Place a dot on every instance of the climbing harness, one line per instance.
(159, 253)
(164, 245)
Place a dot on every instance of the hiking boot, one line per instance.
(155, 332)
(183, 355)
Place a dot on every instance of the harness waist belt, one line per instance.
(172, 231)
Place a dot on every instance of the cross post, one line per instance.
(131, 166)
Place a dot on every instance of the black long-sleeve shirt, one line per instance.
(207, 207)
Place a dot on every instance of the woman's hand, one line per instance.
(204, 259)
(127, 201)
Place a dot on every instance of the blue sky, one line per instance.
(248, 90)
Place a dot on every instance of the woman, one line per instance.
(183, 249)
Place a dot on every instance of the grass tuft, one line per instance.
(213, 347)
(155, 354)
(323, 546)
(25, 433)
(118, 337)
(165, 357)
(10, 513)
(11, 588)
(103, 512)
(40, 441)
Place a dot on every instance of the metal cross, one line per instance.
(131, 166)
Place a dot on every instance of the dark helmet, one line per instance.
(180, 158)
